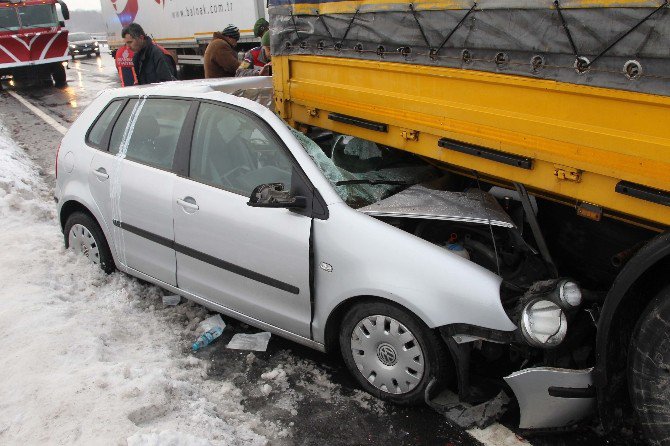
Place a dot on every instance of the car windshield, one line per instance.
(8, 19)
(364, 172)
(38, 16)
(78, 37)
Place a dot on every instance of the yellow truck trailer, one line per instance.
(569, 100)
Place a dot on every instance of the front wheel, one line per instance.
(58, 75)
(649, 369)
(84, 236)
(391, 353)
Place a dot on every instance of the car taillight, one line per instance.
(57, 150)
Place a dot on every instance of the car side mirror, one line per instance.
(273, 195)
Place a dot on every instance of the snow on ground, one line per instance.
(96, 359)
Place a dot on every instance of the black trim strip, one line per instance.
(572, 392)
(370, 125)
(489, 154)
(643, 192)
(145, 234)
(236, 269)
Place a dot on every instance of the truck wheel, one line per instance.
(84, 236)
(649, 369)
(58, 75)
(391, 353)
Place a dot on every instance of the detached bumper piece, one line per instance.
(552, 398)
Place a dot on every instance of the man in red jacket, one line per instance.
(126, 69)
(257, 61)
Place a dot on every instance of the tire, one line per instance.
(97, 54)
(380, 345)
(58, 75)
(83, 234)
(649, 370)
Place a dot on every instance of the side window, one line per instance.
(233, 151)
(102, 123)
(120, 127)
(154, 136)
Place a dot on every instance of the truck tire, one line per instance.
(58, 75)
(649, 370)
(392, 354)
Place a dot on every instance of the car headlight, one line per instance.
(569, 295)
(95, 43)
(543, 323)
(73, 46)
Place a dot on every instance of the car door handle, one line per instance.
(101, 173)
(188, 203)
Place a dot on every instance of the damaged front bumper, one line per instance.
(551, 397)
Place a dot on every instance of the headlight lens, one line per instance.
(72, 46)
(569, 294)
(543, 323)
(95, 43)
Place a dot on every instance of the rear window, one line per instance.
(103, 122)
(78, 37)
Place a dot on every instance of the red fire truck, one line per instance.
(33, 41)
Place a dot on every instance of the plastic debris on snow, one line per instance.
(257, 342)
(171, 300)
(210, 329)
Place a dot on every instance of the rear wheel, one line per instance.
(84, 236)
(649, 369)
(391, 353)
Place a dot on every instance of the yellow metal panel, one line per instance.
(350, 6)
(606, 135)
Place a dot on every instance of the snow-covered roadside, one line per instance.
(94, 359)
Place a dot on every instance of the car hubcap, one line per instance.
(387, 354)
(81, 241)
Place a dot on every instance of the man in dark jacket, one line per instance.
(220, 56)
(149, 61)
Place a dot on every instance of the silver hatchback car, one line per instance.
(332, 242)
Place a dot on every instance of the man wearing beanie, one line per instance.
(260, 27)
(220, 56)
(257, 61)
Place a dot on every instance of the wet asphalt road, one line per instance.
(314, 397)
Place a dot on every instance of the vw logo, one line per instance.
(387, 355)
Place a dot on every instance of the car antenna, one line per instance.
(488, 220)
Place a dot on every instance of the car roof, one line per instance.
(196, 87)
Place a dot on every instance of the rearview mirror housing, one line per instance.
(273, 195)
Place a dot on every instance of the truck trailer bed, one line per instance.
(596, 140)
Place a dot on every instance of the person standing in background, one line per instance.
(149, 61)
(126, 69)
(257, 61)
(261, 27)
(220, 56)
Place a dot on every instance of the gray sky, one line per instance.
(84, 4)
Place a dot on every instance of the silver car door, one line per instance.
(102, 162)
(254, 261)
(144, 141)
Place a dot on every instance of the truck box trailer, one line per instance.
(567, 100)
(185, 27)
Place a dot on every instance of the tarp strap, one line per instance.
(351, 22)
(456, 28)
(423, 34)
(665, 3)
(320, 17)
(565, 27)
